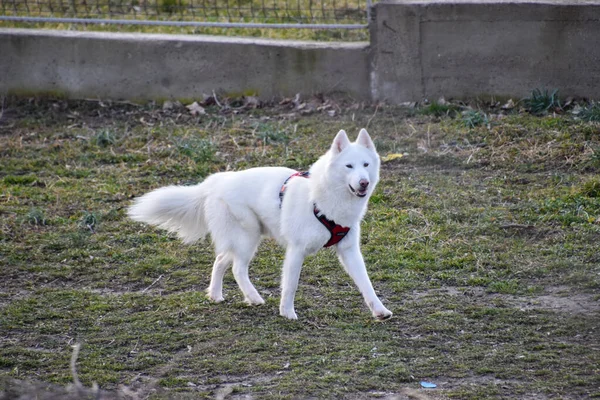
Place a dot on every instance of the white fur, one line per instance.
(237, 208)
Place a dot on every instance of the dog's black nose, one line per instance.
(363, 183)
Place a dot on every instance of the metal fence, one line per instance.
(315, 14)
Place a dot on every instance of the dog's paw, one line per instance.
(216, 297)
(289, 314)
(255, 301)
(383, 314)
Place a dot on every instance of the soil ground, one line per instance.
(482, 238)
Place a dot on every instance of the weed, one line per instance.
(89, 221)
(590, 113)
(35, 216)
(439, 109)
(104, 138)
(474, 118)
(542, 102)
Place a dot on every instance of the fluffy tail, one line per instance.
(178, 209)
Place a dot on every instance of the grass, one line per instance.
(280, 11)
(590, 113)
(541, 102)
(36, 217)
(322, 35)
(482, 239)
(474, 118)
(241, 11)
(104, 138)
(439, 109)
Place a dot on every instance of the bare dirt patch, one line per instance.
(556, 299)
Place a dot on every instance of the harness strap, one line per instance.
(336, 231)
(303, 174)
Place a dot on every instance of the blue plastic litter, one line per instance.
(428, 385)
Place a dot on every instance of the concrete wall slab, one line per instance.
(465, 49)
(143, 66)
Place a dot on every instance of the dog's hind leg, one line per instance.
(241, 260)
(236, 233)
(215, 289)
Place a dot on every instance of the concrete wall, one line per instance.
(418, 50)
(468, 49)
(140, 66)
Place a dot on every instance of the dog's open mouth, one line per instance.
(359, 192)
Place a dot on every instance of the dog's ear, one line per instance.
(340, 142)
(365, 140)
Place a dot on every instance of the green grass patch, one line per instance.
(19, 180)
(439, 109)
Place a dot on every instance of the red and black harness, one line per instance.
(336, 231)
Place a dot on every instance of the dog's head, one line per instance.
(358, 163)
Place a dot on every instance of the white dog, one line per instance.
(302, 211)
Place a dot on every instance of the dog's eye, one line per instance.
(349, 166)
(366, 164)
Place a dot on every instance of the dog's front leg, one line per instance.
(353, 263)
(294, 257)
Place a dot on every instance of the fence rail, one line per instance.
(321, 14)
